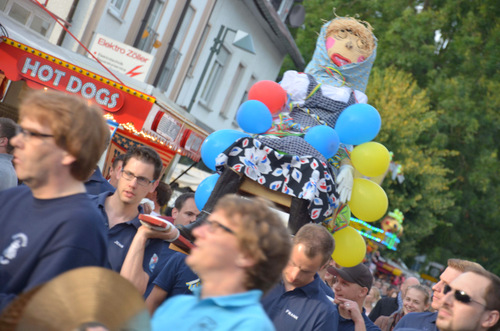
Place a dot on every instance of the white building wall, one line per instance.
(264, 65)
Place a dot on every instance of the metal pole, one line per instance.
(213, 50)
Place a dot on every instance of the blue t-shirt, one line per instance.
(348, 325)
(422, 321)
(176, 277)
(120, 237)
(304, 308)
(241, 311)
(97, 184)
(42, 238)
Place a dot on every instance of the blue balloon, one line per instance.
(358, 124)
(253, 116)
(216, 143)
(204, 190)
(324, 139)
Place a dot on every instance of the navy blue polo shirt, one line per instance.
(97, 184)
(348, 325)
(303, 308)
(422, 321)
(120, 237)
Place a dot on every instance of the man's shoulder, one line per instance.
(416, 319)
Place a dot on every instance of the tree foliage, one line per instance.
(436, 84)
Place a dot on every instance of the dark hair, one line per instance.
(117, 159)
(317, 240)
(181, 200)
(7, 129)
(145, 154)
(163, 193)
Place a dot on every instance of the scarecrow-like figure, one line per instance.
(282, 160)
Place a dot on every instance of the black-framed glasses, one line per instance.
(29, 133)
(461, 296)
(213, 225)
(143, 181)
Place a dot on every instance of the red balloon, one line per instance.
(269, 93)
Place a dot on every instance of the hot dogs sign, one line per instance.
(46, 73)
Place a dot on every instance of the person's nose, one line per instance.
(438, 287)
(16, 140)
(349, 44)
(294, 274)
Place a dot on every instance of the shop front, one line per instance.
(138, 117)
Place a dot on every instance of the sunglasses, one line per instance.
(461, 296)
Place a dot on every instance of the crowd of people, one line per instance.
(245, 271)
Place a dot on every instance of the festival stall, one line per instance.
(137, 116)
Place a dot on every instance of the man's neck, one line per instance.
(214, 287)
(118, 212)
(58, 188)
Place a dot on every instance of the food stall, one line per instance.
(28, 61)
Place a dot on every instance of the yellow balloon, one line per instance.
(368, 200)
(350, 247)
(371, 159)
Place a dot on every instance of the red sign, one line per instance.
(38, 69)
(46, 73)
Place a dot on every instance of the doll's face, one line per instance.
(346, 47)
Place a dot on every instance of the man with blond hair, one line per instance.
(427, 320)
(240, 251)
(471, 302)
(49, 225)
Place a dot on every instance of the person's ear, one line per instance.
(174, 213)
(154, 186)
(67, 158)
(364, 292)
(491, 319)
(245, 261)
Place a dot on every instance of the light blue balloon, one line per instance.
(204, 190)
(216, 143)
(253, 116)
(324, 139)
(358, 124)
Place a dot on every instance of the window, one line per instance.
(197, 52)
(214, 75)
(40, 26)
(3, 4)
(118, 7)
(235, 83)
(168, 69)
(19, 13)
(149, 34)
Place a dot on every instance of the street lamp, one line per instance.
(241, 40)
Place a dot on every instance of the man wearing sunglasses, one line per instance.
(134, 250)
(471, 302)
(240, 251)
(427, 320)
(49, 225)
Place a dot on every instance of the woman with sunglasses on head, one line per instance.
(416, 299)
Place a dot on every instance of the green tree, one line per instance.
(451, 49)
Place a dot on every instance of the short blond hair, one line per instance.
(464, 265)
(78, 127)
(261, 235)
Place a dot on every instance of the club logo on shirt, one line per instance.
(289, 313)
(18, 240)
(153, 262)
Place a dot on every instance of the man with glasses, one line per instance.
(299, 301)
(471, 302)
(427, 320)
(240, 251)
(8, 177)
(352, 285)
(134, 250)
(49, 225)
